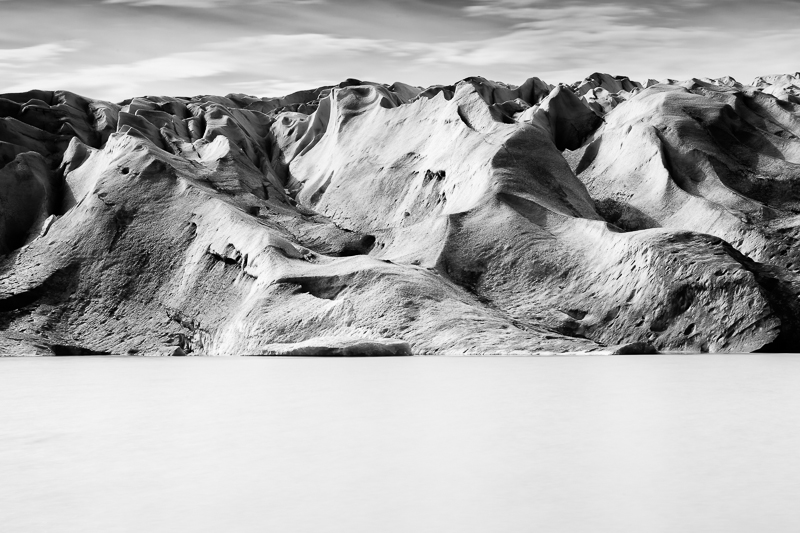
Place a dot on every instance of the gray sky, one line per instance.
(115, 49)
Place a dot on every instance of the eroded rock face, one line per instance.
(340, 347)
(476, 218)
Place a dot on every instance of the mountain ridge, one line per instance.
(473, 218)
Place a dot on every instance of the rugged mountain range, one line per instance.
(475, 218)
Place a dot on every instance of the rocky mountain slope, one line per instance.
(475, 218)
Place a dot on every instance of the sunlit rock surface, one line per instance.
(606, 216)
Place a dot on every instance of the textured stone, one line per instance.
(475, 218)
(341, 347)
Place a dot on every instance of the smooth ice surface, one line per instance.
(604, 444)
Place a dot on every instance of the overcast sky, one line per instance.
(115, 49)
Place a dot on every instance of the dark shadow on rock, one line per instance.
(624, 216)
(66, 349)
(782, 298)
(635, 348)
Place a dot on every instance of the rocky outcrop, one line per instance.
(341, 347)
(476, 218)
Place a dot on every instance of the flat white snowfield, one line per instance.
(653, 444)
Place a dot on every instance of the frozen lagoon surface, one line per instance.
(419, 445)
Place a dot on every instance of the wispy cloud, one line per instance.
(276, 86)
(541, 11)
(207, 4)
(115, 80)
(270, 48)
(11, 58)
(296, 60)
